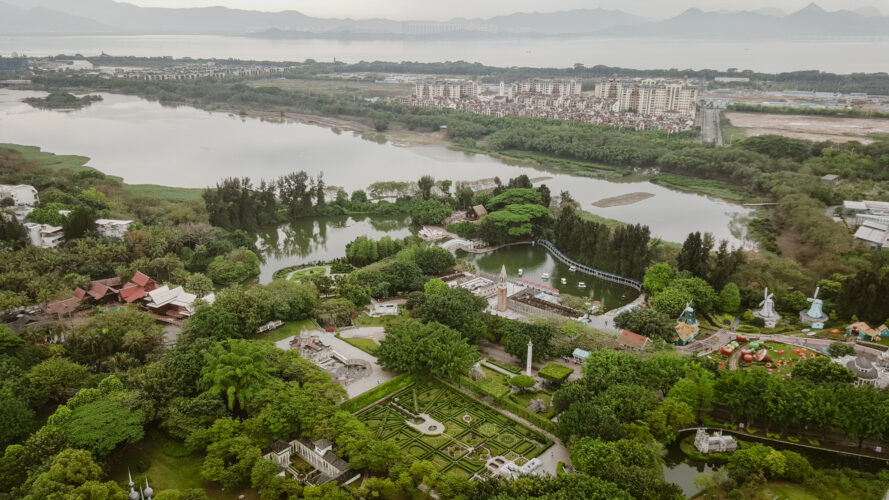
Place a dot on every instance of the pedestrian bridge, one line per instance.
(581, 268)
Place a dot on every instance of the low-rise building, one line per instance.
(873, 234)
(113, 228)
(319, 454)
(685, 333)
(632, 340)
(44, 235)
(23, 199)
(176, 302)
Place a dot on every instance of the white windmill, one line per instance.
(815, 316)
(767, 311)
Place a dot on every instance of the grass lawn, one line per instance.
(290, 328)
(705, 186)
(369, 346)
(79, 164)
(524, 398)
(495, 383)
(338, 87)
(309, 272)
(365, 320)
(146, 458)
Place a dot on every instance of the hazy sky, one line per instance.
(430, 9)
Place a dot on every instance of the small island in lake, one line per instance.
(624, 199)
(62, 100)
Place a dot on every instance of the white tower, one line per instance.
(528, 362)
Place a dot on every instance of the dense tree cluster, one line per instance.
(623, 250)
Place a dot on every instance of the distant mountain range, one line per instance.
(111, 17)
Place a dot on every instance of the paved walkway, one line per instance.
(377, 375)
(364, 332)
(709, 344)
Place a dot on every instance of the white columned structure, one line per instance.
(528, 363)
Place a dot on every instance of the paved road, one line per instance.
(711, 132)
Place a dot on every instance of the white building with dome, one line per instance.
(868, 371)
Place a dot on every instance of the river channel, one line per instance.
(146, 143)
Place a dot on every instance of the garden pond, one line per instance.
(681, 469)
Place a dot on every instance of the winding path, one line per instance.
(596, 273)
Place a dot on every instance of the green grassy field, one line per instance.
(708, 187)
(338, 87)
(78, 163)
(290, 328)
(369, 346)
(365, 320)
(147, 458)
(311, 272)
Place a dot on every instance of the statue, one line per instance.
(767, 310)
(815, 316)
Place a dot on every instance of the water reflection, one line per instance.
(536, 261)
(323, 238)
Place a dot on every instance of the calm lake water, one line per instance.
(865, 54)
(146, 143)
(682, 470)
(535, 261)
(324, 238)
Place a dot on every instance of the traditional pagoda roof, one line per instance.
(685, 331)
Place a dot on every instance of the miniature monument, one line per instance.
(814, 317)
(528, 362)
(767, 310)
(501, 290)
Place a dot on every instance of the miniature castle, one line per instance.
(717, 443)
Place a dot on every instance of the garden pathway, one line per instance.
(377, 375)
(552, 456)
(377, 333)
(709, 344)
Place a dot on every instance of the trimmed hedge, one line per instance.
(378, 393)
(555, 372)
(482, 389)
(501, 364)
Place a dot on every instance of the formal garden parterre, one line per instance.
(473, 432)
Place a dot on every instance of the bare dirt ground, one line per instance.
(813, 128)
(624, 199)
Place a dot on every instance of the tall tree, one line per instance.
(236, 369)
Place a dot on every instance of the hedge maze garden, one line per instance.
(473, 432)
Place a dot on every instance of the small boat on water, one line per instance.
(521, 271)
(572, 269)
(581, 284)
(544, 276)
(564, 281)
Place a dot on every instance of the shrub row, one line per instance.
(501, 364)
(555, 372)
(378, 393)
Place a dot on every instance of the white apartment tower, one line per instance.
(649, 96)
(450, 89)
